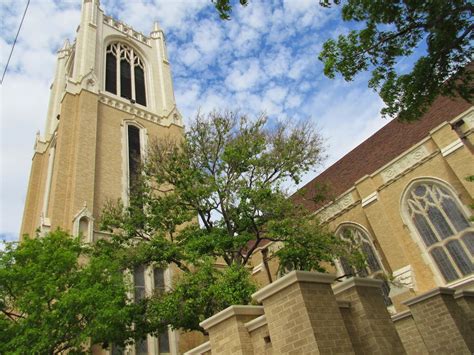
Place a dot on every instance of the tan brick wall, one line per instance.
(410, 336)
(304, 318)
(442, 325)
(466, 302)
(368, 321)
(88, 161)
(259, 345)
(394, 241)
(34, 195)
(231, 337)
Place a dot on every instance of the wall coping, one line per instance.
(198, 350)
(428, 295)
(230, 312)
(401, 315)
(463, 293)
(356, 281)
(290, 279)
(256, 323)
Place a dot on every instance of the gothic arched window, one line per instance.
(437, 216)
(125, 73)
(360, 239)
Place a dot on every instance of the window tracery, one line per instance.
(443, 227)
(125, 73)
(360, 239)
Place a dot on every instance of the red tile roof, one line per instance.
(379, 149)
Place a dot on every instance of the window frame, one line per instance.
(143, 134)
(441, 243)
(377, 275)
(135, 54)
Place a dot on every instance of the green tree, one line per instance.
(229, 171)
(392, 31)
(58, 295)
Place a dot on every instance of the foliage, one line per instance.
(230, 172)
(394, 30)
(198, 294)
(56, 295)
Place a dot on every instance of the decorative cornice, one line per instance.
(463, 293)
(172, 118)
(404, 163)
(256, 323)
(401, 315)
(427, 295)
(290, 279)
(126, 30)
(404, 276)
(336, 207)
(230, 312)
(356, 281)
(374, 196)
(199, 350)
(452, 147)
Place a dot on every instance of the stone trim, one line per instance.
(404, 162)
(290, 279)
(401, 315)
(428, 295)
(256, 323)
(257, 268)
(337, 206)
(122, 105)
(230, 312)
(464, 293)
(374, 196)
(126, 30)
(200, 349)
(356, 281)
(451, 147)
(405, 276)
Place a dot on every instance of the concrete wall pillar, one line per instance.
(303, 316)
(441, 322)
(368, 321)
(227, 332)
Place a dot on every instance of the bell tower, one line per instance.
(112, 94)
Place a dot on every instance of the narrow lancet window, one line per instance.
(134, 155)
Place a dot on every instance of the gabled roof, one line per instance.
(379, 149)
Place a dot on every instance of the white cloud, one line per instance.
(244, 75)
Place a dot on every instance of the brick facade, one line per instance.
(303, 314)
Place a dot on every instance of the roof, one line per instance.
(378, 150)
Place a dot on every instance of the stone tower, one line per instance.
(111, 95)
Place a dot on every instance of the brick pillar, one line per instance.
(368, 321)
(303, 316)
(409, 334)
(465, 300)
(441, 323)
(227, 332)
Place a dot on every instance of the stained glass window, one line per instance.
(373, 268)
(439, 220)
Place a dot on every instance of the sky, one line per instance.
(263, 60)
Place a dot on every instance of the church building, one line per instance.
(405, 197)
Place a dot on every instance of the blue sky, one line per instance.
(263, 60)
